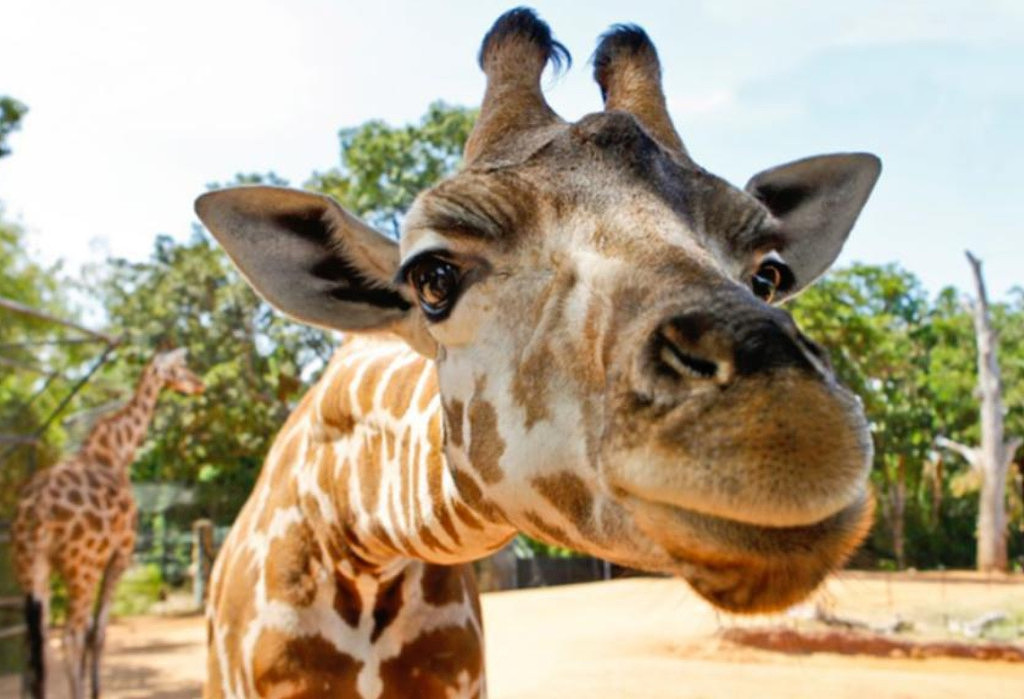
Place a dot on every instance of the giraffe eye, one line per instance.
(772, 277)
(437, 282)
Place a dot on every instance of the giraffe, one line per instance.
(78, 519)
(577, 337)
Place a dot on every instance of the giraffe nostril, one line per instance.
(686, 364)
(687, 346)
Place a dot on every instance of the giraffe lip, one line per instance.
(746, 568)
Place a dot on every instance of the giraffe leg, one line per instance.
(98, 633)
(37, 620)
(80, 596)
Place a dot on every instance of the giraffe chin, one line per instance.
(749, 569)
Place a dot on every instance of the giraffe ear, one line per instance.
(313, 260)
(816, 202)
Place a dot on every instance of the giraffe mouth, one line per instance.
(748, 568)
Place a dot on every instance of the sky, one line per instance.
(136, 106)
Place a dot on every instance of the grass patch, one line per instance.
(1006, 630)
(141, 587)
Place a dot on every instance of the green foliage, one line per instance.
(11, 113)
(255, 364)
(383, 167)
(25, 364)
(139, 589)
(539, 548)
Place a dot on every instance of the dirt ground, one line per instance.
(653, 638)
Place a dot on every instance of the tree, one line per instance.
(11, 113)
(30, 358)
(907, 356)
(873, 321)
(991, 460)
(383, 167)
(254, 362)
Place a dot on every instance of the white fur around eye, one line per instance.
(420, 241)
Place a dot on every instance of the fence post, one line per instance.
(202, 559)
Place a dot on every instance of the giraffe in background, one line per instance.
(78, 519)
(574, 338)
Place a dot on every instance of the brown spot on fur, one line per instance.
(75, 497)
(345, 543)
(453, 421)
(343, 422)
(548, 532)
(474, 496)
(432, 542)
(429, 665)
(60, 513)
(92, 521)
(435, 474)
(404, 542)
(485, 443)
(466, 515)
(530, 385)
(369, 382)
(347, 602)
(304, 666)
(400, 388)
(291, 568)
(442, 584)
(369, 478)
(570, 496)
(387, 605)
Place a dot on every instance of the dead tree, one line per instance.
(992, 459)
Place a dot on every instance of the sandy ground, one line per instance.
(650, 638)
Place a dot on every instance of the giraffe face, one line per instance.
(613, 376)
(616, 382)
(171, 369)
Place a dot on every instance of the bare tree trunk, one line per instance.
(993, 459)
(937, 481)
(899, 501)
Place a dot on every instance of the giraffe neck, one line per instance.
(379, 487)
(114, 439)
(349, 544)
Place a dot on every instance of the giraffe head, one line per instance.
(615, 371)
(169, 369)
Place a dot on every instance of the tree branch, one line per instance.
(1011, 447)
(979, 280)
(971, 454)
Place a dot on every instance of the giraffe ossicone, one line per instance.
(576, 337)
(77, 519)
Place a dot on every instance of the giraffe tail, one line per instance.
(36, 652)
